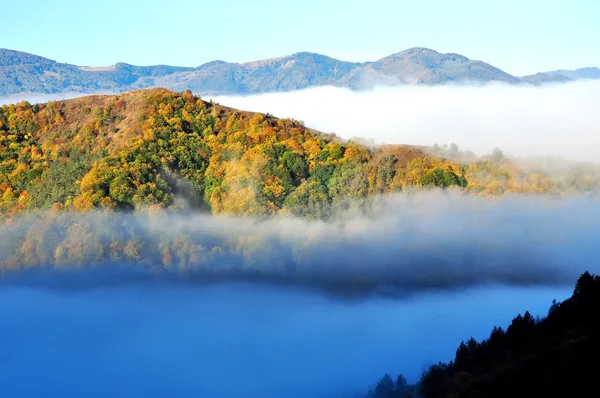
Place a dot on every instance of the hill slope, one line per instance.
(26, 73)
(149, 147)
(155, 151)
(554, 357)
(153, 147)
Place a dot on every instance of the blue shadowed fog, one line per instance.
(236, 339)
(457, 266)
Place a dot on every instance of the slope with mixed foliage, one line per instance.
(155, 150)
(152, 147)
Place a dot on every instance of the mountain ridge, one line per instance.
(22, 72)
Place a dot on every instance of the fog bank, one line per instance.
(554, 119)
(409, 243)
(523, 120)
(38, 98)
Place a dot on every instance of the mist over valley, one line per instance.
(384, 221)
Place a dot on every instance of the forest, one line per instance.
(151, 147)
(556, 356)
(157, 152)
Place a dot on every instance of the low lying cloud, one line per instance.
(559, 120)
(234, 340)
(38, 98)
(413, 242)
(458, 263)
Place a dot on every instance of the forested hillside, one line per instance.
(156, 151)
(156, 147)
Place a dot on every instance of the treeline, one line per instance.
(553, 357)
(390, 388)
(156, 147)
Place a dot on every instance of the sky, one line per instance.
(520, 37)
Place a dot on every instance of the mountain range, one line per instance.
(26, 73)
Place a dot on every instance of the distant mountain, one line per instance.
(424, 66)
(563, 75)
(302, 70)
(26, 73)
(581, 73)
(289, 73)
(540, 78)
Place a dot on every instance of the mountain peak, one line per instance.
(426, 53)
(307, 54)
(419, 50)
(212, 63)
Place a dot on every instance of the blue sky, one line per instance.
(520, 37)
